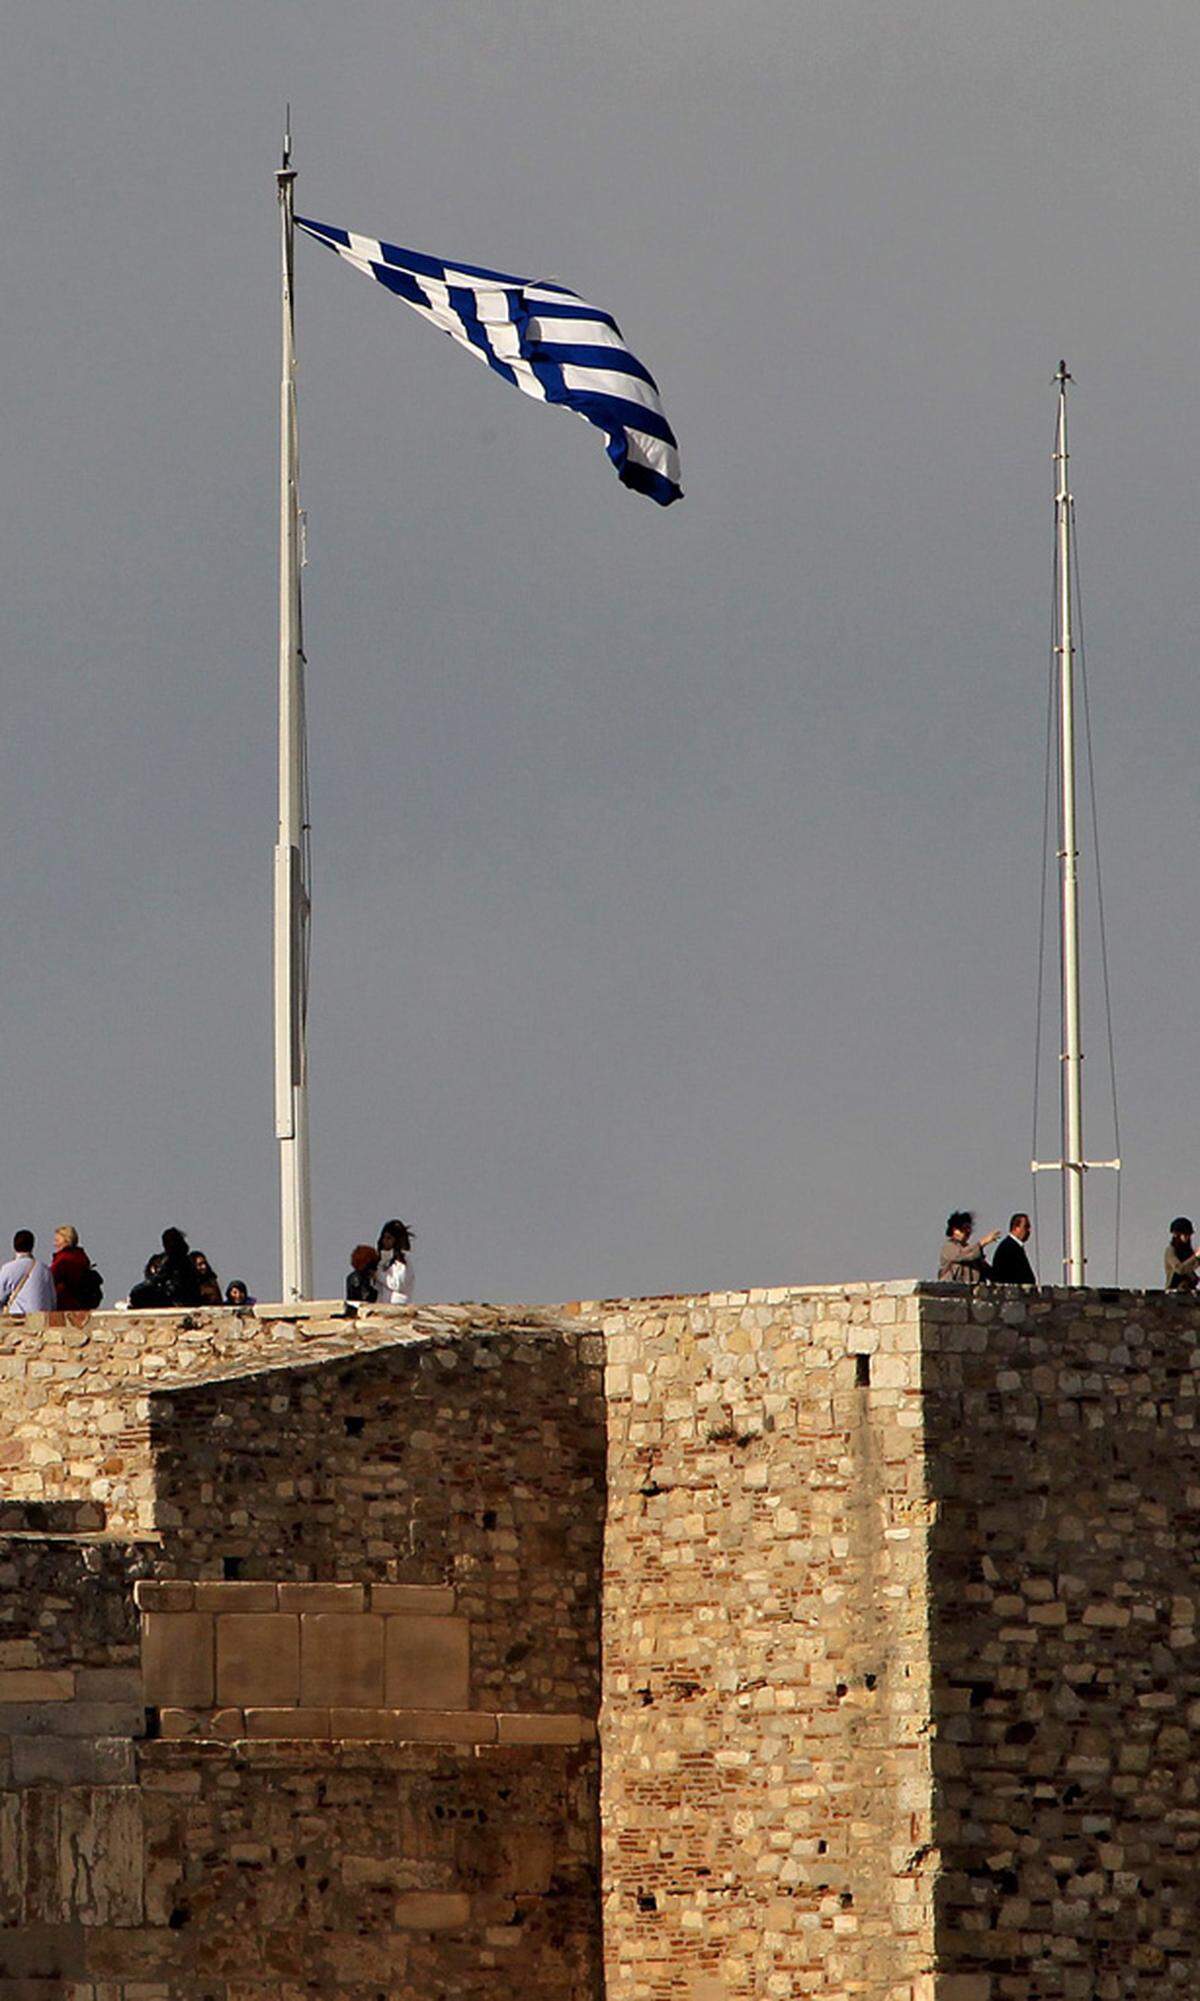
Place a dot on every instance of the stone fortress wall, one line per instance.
(313, 1710)
(883, 1599)
(767, 1819)
(1062, 1441)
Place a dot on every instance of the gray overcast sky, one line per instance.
(676, 872)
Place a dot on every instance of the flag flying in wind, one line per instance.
(539, 336)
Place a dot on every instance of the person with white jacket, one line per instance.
(394, 1279)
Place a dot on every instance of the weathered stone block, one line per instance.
(529, 1729)
(163, 1595)
(218, 1594)
(36, 1958)
(341, 1658)
(108, 1685)
(373, 1724)
(527, 1862)
(321, 1597)
(177, 1658)
(37, 1685)
(442, 1726)
(308, 1722)
(72, 1761)
(176, 1724)
(72, 1719)
(433, 1910)
(435, 1599)
(101, 1855)
(258, 1659)
(207, 1725)
(426, 1662)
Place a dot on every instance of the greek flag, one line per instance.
(539, 336)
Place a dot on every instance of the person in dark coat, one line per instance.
(147, 1291)
(170, 1276)
(1010, 1262)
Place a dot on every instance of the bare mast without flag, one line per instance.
(1071, 1165)
(292, 843)
(1074, 1259)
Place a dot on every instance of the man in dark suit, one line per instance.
(1010, 1265)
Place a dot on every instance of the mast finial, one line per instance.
(287, 136)
(1064, 374)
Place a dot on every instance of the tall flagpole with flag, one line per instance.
(292, 843)
(548, 342)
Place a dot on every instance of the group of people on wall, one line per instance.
(174, 1276)
(177, 1276)
(381, 1274)
(70, 1282)
(963, 1257)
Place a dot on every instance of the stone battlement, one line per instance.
(838, 1641)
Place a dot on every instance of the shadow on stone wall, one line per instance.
(1064, 1458)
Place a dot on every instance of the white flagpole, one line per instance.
(1073, 1164)
(291, 850)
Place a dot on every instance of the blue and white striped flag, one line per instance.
(545, 339)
